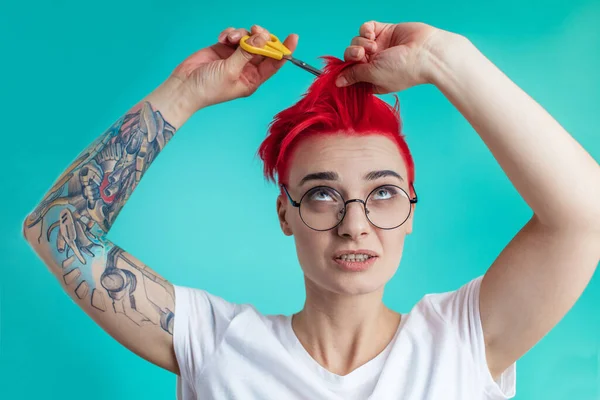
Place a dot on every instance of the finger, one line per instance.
(257, 59)
(354, 53)
(370, 46)
(223, 35)
(270, 66)
(354, 74)
(371, 29)
(257, 29)
(234, 37)
(241, 57)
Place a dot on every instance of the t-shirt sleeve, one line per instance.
(460, 308)
(201, 320)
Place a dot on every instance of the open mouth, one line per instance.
(354, 262)
(355, 257)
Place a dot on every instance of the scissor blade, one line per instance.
(305, 66)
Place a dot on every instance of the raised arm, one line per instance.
(544, 270)
(69, 227)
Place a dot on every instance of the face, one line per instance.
(351, 159)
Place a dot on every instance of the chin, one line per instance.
(355, 288)
(340, 281)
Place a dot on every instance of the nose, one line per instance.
(355, 223)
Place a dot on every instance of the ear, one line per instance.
(281, 214)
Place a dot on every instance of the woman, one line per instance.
(347, 197)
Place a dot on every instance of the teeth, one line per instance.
(355, 257)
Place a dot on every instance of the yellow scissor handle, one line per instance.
(273, 49)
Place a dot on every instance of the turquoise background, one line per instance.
(69, 69)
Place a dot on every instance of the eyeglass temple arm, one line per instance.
(414, 201)
(294, 203)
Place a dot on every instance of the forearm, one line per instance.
(68, 228)
(557, 178)
(96, 186)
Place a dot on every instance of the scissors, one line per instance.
(275, 49)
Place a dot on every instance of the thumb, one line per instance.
(354, 74)
(240, 57)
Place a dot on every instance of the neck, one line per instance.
(342, 332)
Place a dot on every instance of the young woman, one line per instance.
(347, 197)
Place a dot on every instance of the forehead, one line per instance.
(350, 156)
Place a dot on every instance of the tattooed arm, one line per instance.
(68, 229)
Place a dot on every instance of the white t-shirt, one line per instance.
(232, 351)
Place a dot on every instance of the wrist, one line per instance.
(174, 100)
(445, 51)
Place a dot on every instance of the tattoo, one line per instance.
(82, 206)
(126, 280)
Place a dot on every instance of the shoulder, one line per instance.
(454, 317)
(460, 305)
(449, 308)
(198, 310)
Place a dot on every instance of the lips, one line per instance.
(346, 253)
(355, 260)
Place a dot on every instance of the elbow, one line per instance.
(591, 222)
(32, 233)
(30, 230)
(597, 219)
(26, 229)
(581, 219)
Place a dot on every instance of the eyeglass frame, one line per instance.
(346, 202)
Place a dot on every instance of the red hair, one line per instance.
(328, 109)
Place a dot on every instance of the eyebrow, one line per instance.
(320, 176)
(374, 175)
(333, 176)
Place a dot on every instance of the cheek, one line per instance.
(310, 245)
(309, 241)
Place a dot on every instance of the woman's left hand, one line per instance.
(392, 57)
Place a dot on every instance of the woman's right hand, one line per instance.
(224, 71)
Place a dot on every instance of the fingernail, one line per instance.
(221, 37)
(234, 36)
(341, 81)
(354, 51)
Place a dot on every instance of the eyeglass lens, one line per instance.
(387, 207)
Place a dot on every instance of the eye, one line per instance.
(384, 193)
(321, 194)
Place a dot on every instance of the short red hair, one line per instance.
(328, 109)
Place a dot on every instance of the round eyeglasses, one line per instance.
(323, 208)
